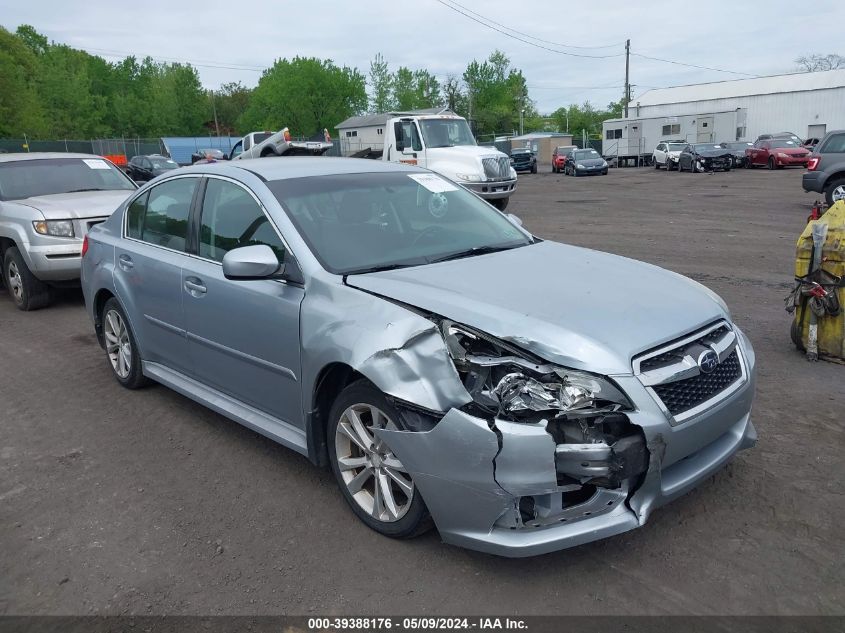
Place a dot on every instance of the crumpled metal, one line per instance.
(518, 392)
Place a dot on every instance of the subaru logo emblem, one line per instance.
(708, 361)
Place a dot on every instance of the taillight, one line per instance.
(813, 163)
(287, 135)
(84, 245)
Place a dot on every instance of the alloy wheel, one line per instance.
(374, 477)
(13, 278)
(118, 345)
(838, 193)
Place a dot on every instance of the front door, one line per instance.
(634, 137)
(148, 275)
(704, 129)
(243, 336)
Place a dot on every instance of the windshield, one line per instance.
(703, 147)
(355, 223)
(163, 163)
(47, 176)
(739, 145)
(783, 144)
(521, 152)
(586, 154)
(446, 132)
(676, 147)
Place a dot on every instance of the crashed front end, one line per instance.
(713, 162)
(545, 457)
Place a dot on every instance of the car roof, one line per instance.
(6, 158)
(282, 167)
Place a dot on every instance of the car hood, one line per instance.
(581, 308)
(713, 153)
(589, 162)
(83, 204)
(475, 151)
(790, 151)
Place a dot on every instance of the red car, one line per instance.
(776, 153)
(559, 157)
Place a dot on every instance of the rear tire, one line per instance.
(834, 191)
(121, 348)
(354, 447)
(795, 335)
(26, 290)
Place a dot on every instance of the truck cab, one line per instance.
(444, 144)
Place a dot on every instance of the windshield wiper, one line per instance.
(376, 269)
(472, 252)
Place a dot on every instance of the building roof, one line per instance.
(180, 148)
(795, 82)
(370, 120)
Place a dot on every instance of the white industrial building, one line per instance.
(806, 104)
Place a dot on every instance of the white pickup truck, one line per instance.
(262, 144)
(444, 143)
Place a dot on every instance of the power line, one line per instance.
(524, 41)
(669, 61)
(201, 63)
(531, 36)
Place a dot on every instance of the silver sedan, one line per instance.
(453, 370)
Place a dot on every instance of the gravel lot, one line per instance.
(143, 502)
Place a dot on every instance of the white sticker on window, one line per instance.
(95, 163)
(435, 184)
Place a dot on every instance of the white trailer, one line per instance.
(635, 138)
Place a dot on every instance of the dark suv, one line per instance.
(826, 168)
(524, 160)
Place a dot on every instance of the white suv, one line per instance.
(666, 154)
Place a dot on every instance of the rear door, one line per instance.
(148, 271)
(243, 336)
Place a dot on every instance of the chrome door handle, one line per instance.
(125, 262)
(194, 286)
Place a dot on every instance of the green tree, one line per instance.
(404, 89)
(36, 42)
(496, 94)
(381, 86)
(306, 95)
(231, 100)
(20, 109)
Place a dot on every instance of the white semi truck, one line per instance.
(444, 144)
(263, 144)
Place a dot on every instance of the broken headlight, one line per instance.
(506, 381)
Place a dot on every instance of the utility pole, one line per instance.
(627, 79)
(214, 109)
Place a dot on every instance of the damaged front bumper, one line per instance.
(507, 487)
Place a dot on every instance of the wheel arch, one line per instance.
(97, 305)
(331, 380)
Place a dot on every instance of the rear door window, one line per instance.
(834, 145)
(160, 216)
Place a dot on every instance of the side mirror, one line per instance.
(515, 219)
(252, 262)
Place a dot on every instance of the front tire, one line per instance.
(371, 478)
(26, 290)
(771, 163)
(121, 347)
(500, 203)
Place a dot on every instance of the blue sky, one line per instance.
(232, 41)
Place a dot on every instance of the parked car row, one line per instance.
(774, 153)
(574, 161)
(353, 311)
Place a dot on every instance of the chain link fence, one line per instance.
(101, 147)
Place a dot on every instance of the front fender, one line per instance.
(399, 351)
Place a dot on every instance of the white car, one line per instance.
(666, 154)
